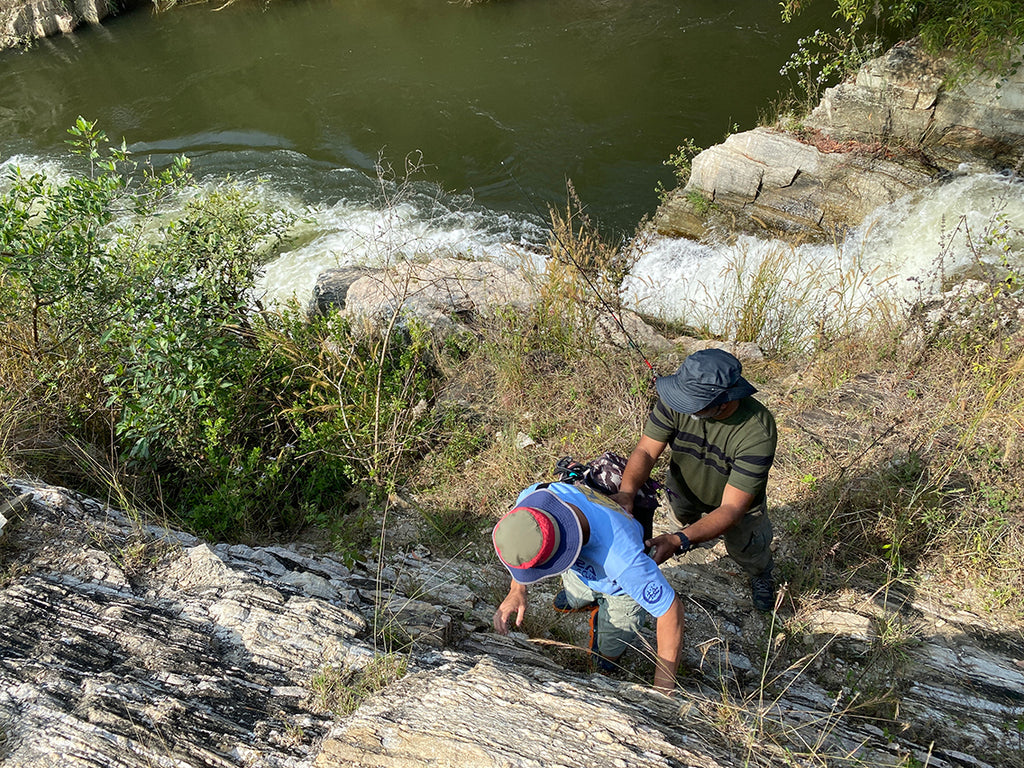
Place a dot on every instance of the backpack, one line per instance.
(604, 475)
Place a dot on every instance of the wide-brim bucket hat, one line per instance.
(539, 538)
(708, 377)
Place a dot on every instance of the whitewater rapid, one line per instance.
(902, 251)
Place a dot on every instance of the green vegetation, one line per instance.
(681, 163)
(824, 58)
(341, 691)
(985, 32)
(137, 362)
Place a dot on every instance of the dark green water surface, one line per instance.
(504, 101)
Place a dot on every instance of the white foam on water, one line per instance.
(346, 234)
(410, 222)
(929, 235)
(904, 250)
(30, 165)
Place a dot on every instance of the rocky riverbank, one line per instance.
(136, 645)
(22, 21)
(895, 127)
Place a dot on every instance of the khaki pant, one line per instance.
(748, 542)
(618, 619)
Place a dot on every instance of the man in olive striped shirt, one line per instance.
(722, 447)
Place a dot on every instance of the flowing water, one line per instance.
(497, 105)
(901, 253)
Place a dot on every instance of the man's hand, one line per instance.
(665, 546)
(514, 603)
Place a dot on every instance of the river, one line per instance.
(497, 105)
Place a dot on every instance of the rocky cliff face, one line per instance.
(132, 645)
(893, 128)
(24, 20)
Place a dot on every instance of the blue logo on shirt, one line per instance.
(652, 592)
(585, 570)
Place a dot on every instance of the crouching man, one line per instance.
(598, 549)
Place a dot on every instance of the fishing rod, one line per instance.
(590, 283)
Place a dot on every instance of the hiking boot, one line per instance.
(562, 605)
(762, 590)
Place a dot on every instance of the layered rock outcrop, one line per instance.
(137, 646)
(903, 98)
(24, 20)
(438, 292)
(895, 127)
(454, 294)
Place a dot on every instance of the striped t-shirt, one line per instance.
(708, 454)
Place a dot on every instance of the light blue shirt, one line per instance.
(613, 560)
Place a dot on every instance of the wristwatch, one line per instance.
(684, 543)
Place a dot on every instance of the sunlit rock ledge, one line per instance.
(893, 128)
(135, 646)
(22, 21)
(454, 295)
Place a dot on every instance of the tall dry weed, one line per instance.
(792, 303)
(538, 386)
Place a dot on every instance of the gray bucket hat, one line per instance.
(708, 377)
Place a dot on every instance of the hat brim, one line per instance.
(570, 538)
(681, 400)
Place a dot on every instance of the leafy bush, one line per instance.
(824, 58)
(986, 32)
(143, 338)
(65, 276)
(328, 415)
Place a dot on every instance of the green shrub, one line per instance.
(327, 421)
(985, 32)
(65, 277)
(143, 338)
(824, 58)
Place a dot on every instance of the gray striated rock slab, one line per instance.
(182, 657)
(137, 647)
(492, 713)
(893, 95)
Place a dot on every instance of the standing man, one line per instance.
(722, 447)
(598, 549)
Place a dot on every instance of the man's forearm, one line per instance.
(670, 641)
(637, 471)
(712, 525)
(735, 504)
